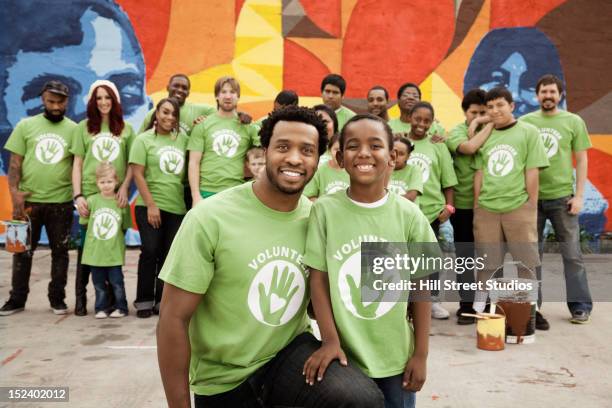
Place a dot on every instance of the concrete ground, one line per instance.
(113, 363)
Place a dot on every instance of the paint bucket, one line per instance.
(520, 321)
(18, 237)
(518, 297)
(490, 333)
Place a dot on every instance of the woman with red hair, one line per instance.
(102, 137)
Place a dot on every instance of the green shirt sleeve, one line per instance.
(78, 144)
(415, 180)
(16, 142)
(196, 140)
(457, 136)
(448, 178)
(190, 263)
(536, 153)
(205, 110)
(312, 188)
(130, 136)
(254, 132)
(316, 240)
(477, 163)
(146, 121)
(580, 139)
(138, 152)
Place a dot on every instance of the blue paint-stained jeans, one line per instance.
(567, 232)
(113, 274)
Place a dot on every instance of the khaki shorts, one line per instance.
(514, 232)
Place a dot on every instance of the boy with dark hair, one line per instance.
(339, 222)
(463, 142)
(506, 191)
(565, 136)
(333, 87)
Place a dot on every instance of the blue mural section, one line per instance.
(516, 58)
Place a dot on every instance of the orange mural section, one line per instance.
(513, 13)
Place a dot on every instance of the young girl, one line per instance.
(405, 180)
(331, 121)
(104, 249)
(330, 177)
(375, 336)
(158, 162)
(102, 137)
(439, 177)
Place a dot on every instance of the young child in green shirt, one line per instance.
(406, 180)
(104, 248)
(330, 177)
(375, 336)
(254, 164)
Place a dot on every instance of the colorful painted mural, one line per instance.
(446, 46)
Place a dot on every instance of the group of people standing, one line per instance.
(254, 255)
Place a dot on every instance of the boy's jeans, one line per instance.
(114, 275)
(395, 395)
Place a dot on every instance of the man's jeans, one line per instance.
(57, 220)
(567, 231)
(280, 383)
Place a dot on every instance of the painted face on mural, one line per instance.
(514, 58)
(105, 52)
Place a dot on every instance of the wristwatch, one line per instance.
(450, 208)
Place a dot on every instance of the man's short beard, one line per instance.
(54, 118)
(274, 182)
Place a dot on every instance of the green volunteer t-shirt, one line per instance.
(224, 143)
(464, 190)
(46, 170)
(503, 158)
(327, 180)
(397, 126)
(188, 113)
(376, 336)
(163, 158)
(102, 147)
(343, 114)
(324, 158)
(246, 259)
(436, 165)
(561, 134)
(105, 240)
(406, 179)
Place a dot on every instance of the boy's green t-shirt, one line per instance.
(246, 259)
(463, 164)
(436, 165)
(188, 113)
(397, 126)
(343, 114)
(327, 180)
(163, 157)
(406, 179)
(224, 143)
(503, 159)
(562, 134)
(105, 240)
(46, 170)
(376, 336)
(102, 147)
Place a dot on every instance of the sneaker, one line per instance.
(438, 312)
(59, 308)
(465, 320)
(10, 307)
(118, 313)
(541, 322)
(580, 317)
(101, 315)
(144, 313)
